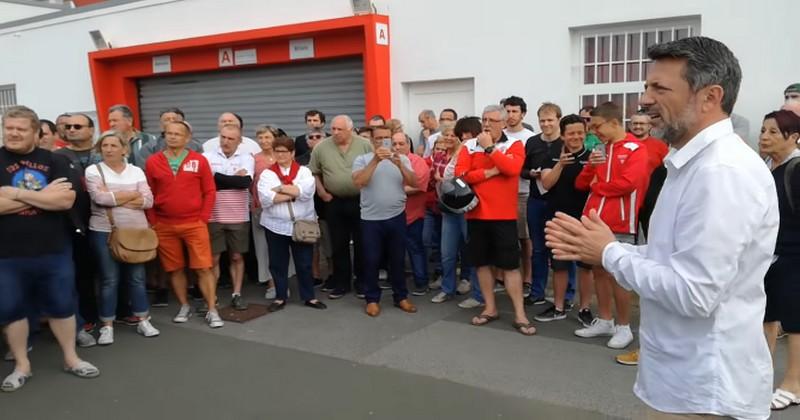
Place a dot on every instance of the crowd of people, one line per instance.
(466, 202)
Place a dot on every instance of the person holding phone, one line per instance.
(558, 178)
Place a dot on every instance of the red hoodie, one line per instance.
(185, 197)
(621, 185)
(497, 196)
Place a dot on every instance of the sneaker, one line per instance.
(147, 329)
(317, 282)
(106, 336)
(530, 300)
(499, 286)
(384, 285)
(360, 295)
(464, 287)
(183, 314)
(336, 294)
(328, 286)
(84, 339)
(469, 303)
(421, 291)
(598, 327)
(238, 303)
(526, 289)
(628, 359)
(586, 317)
(441, 297)
(9, 357)
(568, 306)
(161, 298)
(130, 321)
(551, 314)
(213, 319)
(271, 294)
(436, 284)
(623, 337)
(89, 327)
(382, 275)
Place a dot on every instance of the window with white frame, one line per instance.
(8, 98)
(614, 63)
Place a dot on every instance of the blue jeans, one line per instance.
(278, 247)
(431, 237)
(538, 215)
(384, 239)
(454, 239)
(110, 274)
(416, 253)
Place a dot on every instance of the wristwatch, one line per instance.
(489, 150)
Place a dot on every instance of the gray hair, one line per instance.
(708, 62)
(125, 110)
(315, 130)
(496, 108)
(428, 113)
(347, 119)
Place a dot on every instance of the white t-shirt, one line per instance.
(429, 143)
(523, 136)
(248, 145)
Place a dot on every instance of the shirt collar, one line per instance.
(679, 158)
(222, 154)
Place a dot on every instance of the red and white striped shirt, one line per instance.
(231, 205)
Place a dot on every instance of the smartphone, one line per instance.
(387, 143)
(600, 149)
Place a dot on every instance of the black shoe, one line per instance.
(238, 303)
(530, 300)
(568, 306)
(384, 285)
(276, 306)
(551, 314)
(316, 304)
(337, 294)
(421, 291)
(196, 294)
(318, 282)
(586, 317)
(161, 298)
(328, 286)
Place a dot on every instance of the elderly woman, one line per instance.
(778, 141)
(265, 135)
(284, 189)
(120, 188)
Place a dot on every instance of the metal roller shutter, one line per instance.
(277, 95)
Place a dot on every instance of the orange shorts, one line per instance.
(171, 241)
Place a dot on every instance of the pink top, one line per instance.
(415, 203)
(262, 163)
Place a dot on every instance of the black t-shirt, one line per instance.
(79, 161)
(789, 229)
(537, 155)
(564, 196)
(33, 232)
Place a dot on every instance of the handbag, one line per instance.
(304, 231)
(131, 246)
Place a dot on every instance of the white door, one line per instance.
(458, 94)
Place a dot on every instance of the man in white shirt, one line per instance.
(229, 226)
(712, 236)
(248, 145)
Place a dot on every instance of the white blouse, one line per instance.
(275, 216)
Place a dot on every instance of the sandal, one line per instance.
(522, 327)
(783, 399)
(484, 319)
(15, 381)
(83, 369)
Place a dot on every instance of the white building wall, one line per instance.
(516, 47)
(14, 11)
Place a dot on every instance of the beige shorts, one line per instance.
(522, 217)
(232, 237)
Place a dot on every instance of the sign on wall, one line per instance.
(381, 34)
(301, 48)
(162, 64)
(225, 57)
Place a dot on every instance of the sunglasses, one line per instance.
(75, 126)
(314, 137)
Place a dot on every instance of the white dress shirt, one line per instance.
(701, 281)
(275, 217)
(248, 145)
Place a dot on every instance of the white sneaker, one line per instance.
(183, 314)
(469, 303)
(436, 284)
(623, 337)
(147, 329)
(213, 320)
(106, 336)
(463, 287)
(84, 339)
(383, 275)
(271, 293)
(599, 327)
(441, 297)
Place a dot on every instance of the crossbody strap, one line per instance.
(291, 210)
(108, 209)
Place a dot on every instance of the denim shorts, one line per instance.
(45, 283)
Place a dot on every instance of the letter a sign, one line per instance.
(381, 34)
(225, 57)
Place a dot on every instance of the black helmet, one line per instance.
(455, 196)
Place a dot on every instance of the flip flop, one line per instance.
(783, 399)
(83, 369)
(15, 381)
(484, 319)
(522, 326)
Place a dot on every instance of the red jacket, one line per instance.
(185, 197)
(620, 187)
(497, 196)
(656, 151)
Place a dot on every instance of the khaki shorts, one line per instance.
(522, 217)
(232, 237)
(173, 238)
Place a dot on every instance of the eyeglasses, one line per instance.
(314, 137)
(75, 126)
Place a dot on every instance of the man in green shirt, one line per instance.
(332, 166)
